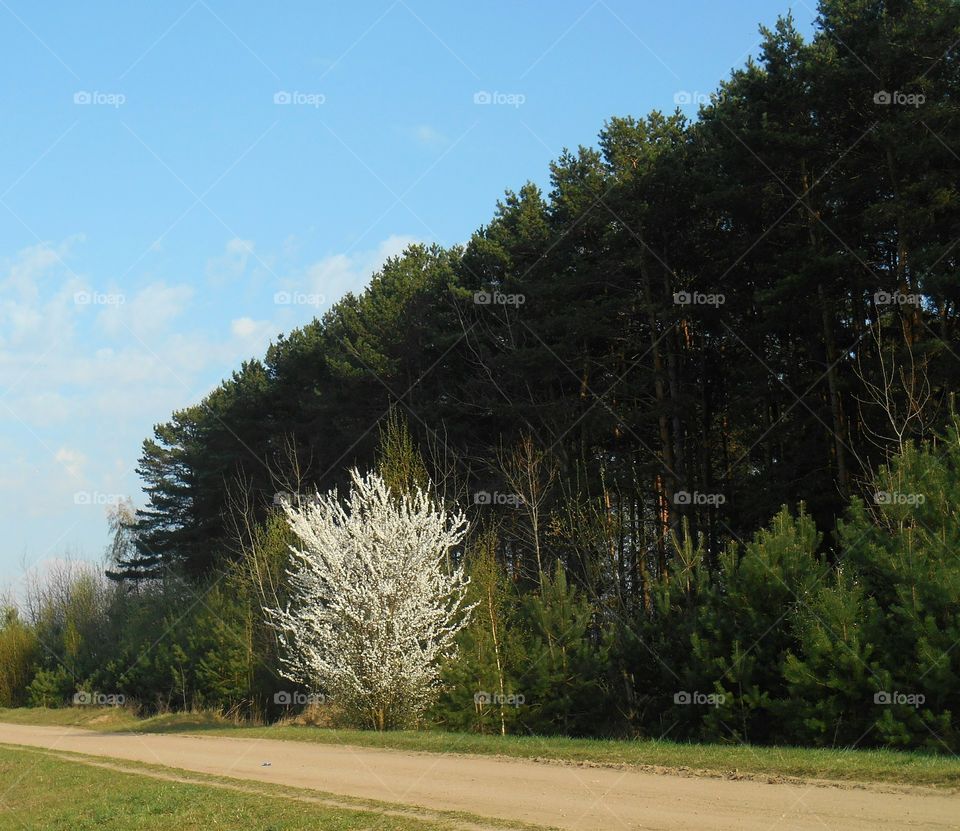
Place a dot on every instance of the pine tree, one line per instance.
(564, 681)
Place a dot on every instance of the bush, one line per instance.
(50, 688)
(18, 651)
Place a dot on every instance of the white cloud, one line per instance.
(34, 263)
(72, 461)
(243, 327)
(29, 312)
(334, 276)
(232, 264)
(255, 333)
(392, 246)
(428, 136)
(148, 312)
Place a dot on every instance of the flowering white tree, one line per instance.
(375, 604)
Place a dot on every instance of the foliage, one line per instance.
(50, 688)
(479, 686)
(563, 676)
(900, 560)
(18, 652)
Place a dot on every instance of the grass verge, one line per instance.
(834, 765)
(52, 790)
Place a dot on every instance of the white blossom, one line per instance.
(376, 605)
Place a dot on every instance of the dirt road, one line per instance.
(565, 796)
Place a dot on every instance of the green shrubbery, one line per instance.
(779, 643)
(18, 650)
(528, 663)
(783, 640)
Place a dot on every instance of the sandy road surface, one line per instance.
(584, 799)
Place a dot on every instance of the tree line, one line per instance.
(701, 321)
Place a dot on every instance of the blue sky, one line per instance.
(169, 169)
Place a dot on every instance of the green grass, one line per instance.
(869, 766)
(42, 791)
(93, 717)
